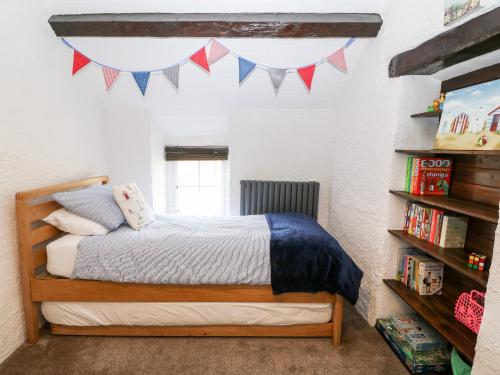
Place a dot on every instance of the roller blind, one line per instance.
(173, 153)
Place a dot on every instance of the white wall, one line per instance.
(50, 133)
(292, 144)
(127, 132)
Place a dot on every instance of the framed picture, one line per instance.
(471, 119)
(456, 9)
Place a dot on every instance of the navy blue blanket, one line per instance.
(306, 258)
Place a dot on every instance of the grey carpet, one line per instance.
(363, 351)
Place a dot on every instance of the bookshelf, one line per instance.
(471, 208)
(426, 114)
(474, 192)
(435, 310)
(452, 257)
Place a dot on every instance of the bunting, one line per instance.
(277, 77)
(216, 52)
(245, 68)
(307, 74)
(79, 61)
(200, 59)
(172, 74)
(110, 76)
(337, 59)
(141, 78)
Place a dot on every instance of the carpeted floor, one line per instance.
(363, 351)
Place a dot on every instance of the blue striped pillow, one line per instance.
(94, 203)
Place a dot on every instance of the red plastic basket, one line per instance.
(469, 309)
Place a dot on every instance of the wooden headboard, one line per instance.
(34, 234)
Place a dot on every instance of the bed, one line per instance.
(95, 307)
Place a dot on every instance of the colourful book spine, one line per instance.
(432, 233)
(409, 163)
(414, 175)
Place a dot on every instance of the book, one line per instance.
(430, 176)
(414, 175)
(409, 163)
(402, 253)
(417, 362)
(418, 333)
(453, 231)
(430, 277)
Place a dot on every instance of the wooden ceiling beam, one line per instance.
(473, 38)
(222, 25)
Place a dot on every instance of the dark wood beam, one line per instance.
(223, 25)
(474, 38)
(476, 77)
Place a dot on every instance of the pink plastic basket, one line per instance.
(469, 309)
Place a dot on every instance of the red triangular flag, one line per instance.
(79, 61)
(307, 73)
(337, 59)
(200, 59)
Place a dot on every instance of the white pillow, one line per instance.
(133, 205)
(74, 224)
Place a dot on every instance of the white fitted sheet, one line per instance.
(61, 256)
(192, 313)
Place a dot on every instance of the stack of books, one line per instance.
(433, 225)
(418, 345)
(420, 273)
(428, 176)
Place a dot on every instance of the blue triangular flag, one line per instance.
(246, 68)
(141, 78)
(349, 42)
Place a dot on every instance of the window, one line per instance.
(197, 187)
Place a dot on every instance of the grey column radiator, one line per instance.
(260, 197)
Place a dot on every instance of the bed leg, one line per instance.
(32, 322)
(338, 308)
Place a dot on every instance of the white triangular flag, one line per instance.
(172, 73)
(217, 52)
(277, 76)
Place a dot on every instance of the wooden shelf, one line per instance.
(426, 114)
(478, 210)
(455, 258)
(448, 152)
(438, 312)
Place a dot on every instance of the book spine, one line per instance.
(415, 174)
(432, 233)
(409, 163)
(444, 225)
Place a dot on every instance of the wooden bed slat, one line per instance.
(42, 210)
(67, 290)
(39, 257)
(43, 233)
(298, 330)
(48, 190)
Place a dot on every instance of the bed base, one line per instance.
(34, 236)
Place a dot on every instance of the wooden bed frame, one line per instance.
(39, 286)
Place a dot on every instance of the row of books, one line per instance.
(433, 225)
(418, 345)
(419, 272)
(428, 176)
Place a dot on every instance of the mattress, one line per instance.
(61, 255)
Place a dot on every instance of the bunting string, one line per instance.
(200, 58)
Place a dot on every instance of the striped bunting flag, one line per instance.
(172, 74)
(277, 77)
(110, 76)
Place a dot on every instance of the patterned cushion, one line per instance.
(94, 203)
(135, 208)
